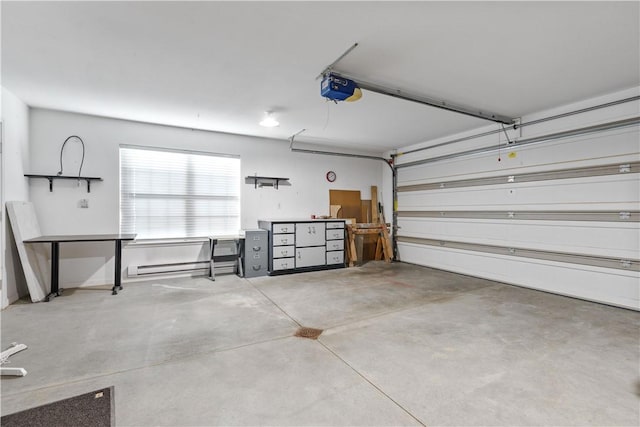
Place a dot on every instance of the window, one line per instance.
(175, 194)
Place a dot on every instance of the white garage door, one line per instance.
(559, 214)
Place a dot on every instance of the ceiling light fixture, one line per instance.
(269, 121)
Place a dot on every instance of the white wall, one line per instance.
(15, 158)
(58, 211)
(617, 193)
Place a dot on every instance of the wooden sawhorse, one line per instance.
(383, 245)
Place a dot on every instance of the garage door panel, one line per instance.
(612, 147)
(600, 239)
(560, 215)
(611, 190)
(614, 287)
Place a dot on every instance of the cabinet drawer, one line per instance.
(283, 239)
(335, 245)
(256, 257)
(252, 247)
(283, 228)
(283, 251)
(335, 257)
(310, 234)
(255, 237)
(310, 257)
(335, 224)
(283, 263)
(255, 270)
(335, 234)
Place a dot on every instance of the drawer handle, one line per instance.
(299, 256)
(284, 229)
(257, 248)
(284, 241)
(284, 253)
(256, 267)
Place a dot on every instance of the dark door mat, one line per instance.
(310, 333)
(90, 409)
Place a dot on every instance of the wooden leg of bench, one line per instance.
(353, 254)
(386, 243)
(379, 249)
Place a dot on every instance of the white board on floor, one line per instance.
(33, 257)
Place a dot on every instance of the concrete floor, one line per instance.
(403, 345)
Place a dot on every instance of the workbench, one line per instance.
(55, 255)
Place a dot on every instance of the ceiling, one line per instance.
(220, 65)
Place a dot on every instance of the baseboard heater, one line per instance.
(176, 267)
(224, 264)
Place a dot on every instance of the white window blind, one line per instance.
(175, 194)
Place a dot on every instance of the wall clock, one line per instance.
(331, 176)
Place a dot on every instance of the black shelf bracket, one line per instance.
(265, 181)
(51, 178)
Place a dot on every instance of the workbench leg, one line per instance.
(240, 252)
(386, 244)
(55, 271)
(117, 275)
(379, 249)
(212, 248)
(359, 249)
(353, 254)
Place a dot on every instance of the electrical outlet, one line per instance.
(83, 203)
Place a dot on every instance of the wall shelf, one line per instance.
(265, 181)
(88, 179)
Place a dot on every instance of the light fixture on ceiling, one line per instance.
(269, 121)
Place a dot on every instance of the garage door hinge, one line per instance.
(625, 215)
(625, 168)
(511, 178)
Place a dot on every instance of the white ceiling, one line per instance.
(220, 65)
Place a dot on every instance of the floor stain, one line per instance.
(310, 333)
